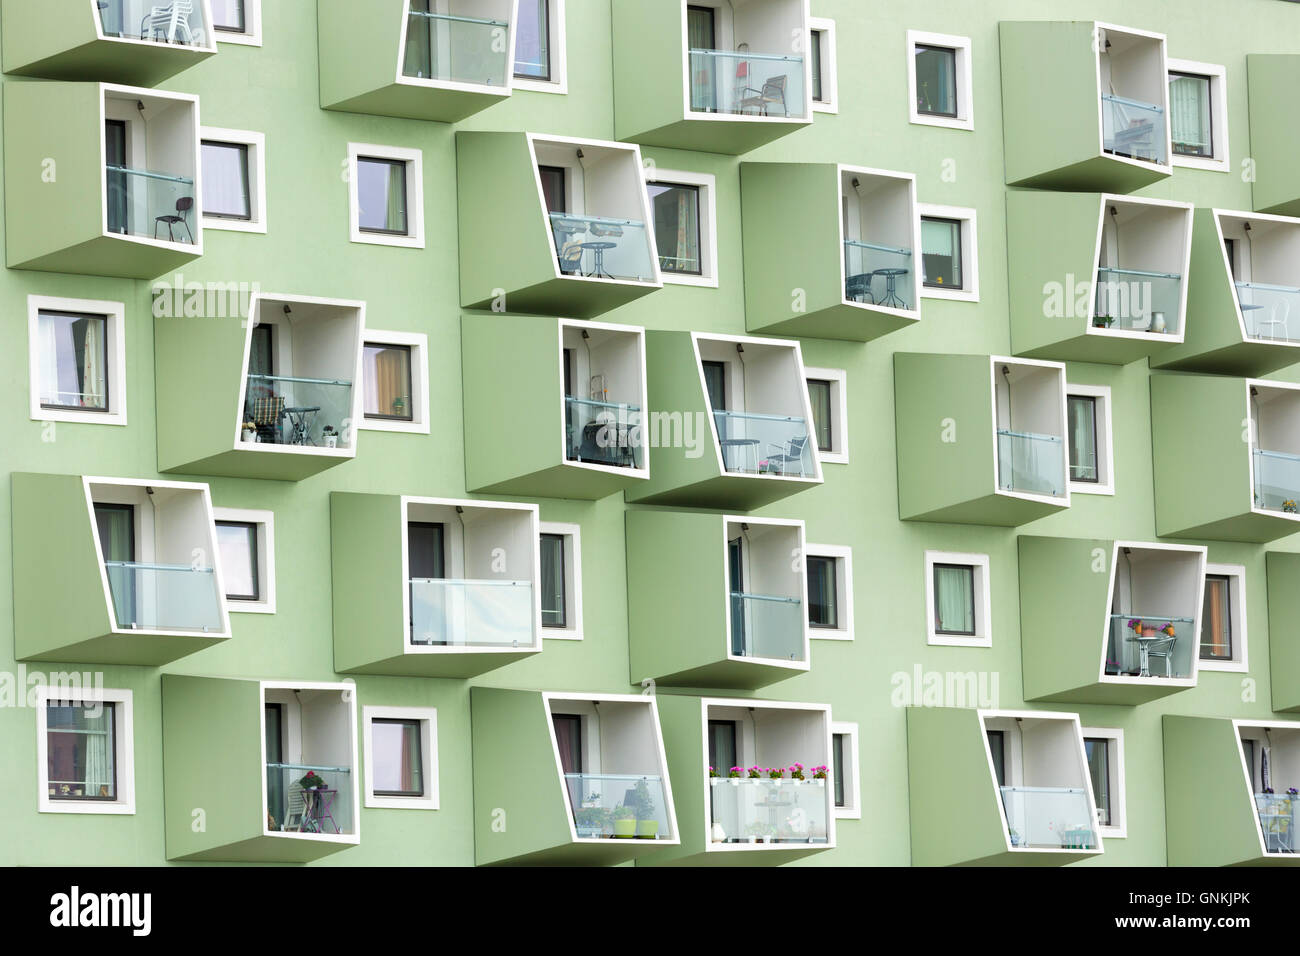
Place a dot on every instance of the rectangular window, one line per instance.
(822, 586)
(533, 40)
(228, 15)
(72, 360)
(941, 253)
(225, 181)
(381, 196)
(1248, 754)
(237, 544)
(398, 755)
(1097, 750)
(723, 753)
(1190, 119)
(553, 192)
(568, 738)
(424, 549)
(387, 374)
(554, 604)
(954, 599)
(81, 750)
(1081, 423)
(819, 396)
(815, 61)
(936, 81)
(837, 768)
(997, 748)
(677, 227)
(1216, 619)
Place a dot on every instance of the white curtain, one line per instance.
(92, 379)
(1190, 111)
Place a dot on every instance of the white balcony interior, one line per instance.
(459, 43)
(182, 23)
(1142, 255)
(879, 222)
(605, 395)
(1264, 261)
(1029, 407)
(309, 730)
(746, 62)
(1271, 758)
(1275, 452)
(1158, 587)
(766, 588)
(1135, 84)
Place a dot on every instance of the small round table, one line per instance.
(598, 258)
(300, 418)
(743, 444)
(891, 293)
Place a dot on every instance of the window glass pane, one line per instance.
(996, 748)
(398, 758)
(553, 602)
(1189, 114)
(225, 180)
(532, 40)
(722, 746)
(387, 373)
(237, 543)
(819, 396)
(837, 767)
(1081, 415)
(228, 15)
(1216, 619)
(568, 738)
(553, 188)
(81, 750)
(815, 62)
(73, 361)
(941, 253)
(1098, 752)
(381, 196)
(1248, 754)
(424, 551)
(822, 610)
(954, 599)
(677, 227)
(936, 81)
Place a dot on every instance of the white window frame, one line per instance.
(115, 335)
(843, 557)
(1119, 828)
(852, 809)
(1240, 663)
(124, 750)
(559, 81)
(965, 118)
(970, 252)
(830, 70)
(428, 718)
(418, 342)
(1221, 161)
(983, 636)
(1105, 483)
(572, 534)
(414, 160)
(256, 145)
(252, 35)
(265, 521)
(838, 378)
(708, 186)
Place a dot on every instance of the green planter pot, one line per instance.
(647, 829)
(624, 829)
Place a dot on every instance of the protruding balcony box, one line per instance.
(576, 406)
(998, 788)
(1243, 314)
(1227, 764)
(747, 85)
(730, 421)
(981, 439)
(579, 249)
(141, 42)
(582, 778)
(1227, 457)
(1109, 287)
(114, 570)
(118, 176)
(1085, 105)
(1284, 619)
(1274, 134)
(442, 60)
(737, 614)
(744, 821)
(1109, 622)
(853, 271)
(432, 587)
(289, 371)
(238, 752)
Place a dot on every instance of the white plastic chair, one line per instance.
(169, 21)
(1277, 316)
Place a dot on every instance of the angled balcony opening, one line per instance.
(1142, 256)
(179, 22)
(1134, 95)
(1029, 401)
(611, 761)
(879, 223)
(740, 62)
(1263, 254)
(1271, 758)
(1275, 449)
(310, 757)
(765, 617)
(604, 396)
(1155, 611)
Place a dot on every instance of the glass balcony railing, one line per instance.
(1031, 464)
(612, 806)
(1277, 481)
(767, 625)
(879, 275)
(150, 204)
(306, 798)
(180, 21)
(747, 84)
(289, 410)
(1137, 300)
(487, 613)
(1049, 818)
(600, 248)
(1266, 310)
(1141, 645)
(1133, 129)
(754, 444)
(1277, 812)
(762, 810)
(602, 433)
(164, 597)
(456, 49)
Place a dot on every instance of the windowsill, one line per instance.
(239, 39)
(954, 295)
(539, 86)
(677, 278)
(1226, 667)
(829, 633)
(1212, 164)
(393, 425)
(833, 457)
(1090, 488)
(407, 241)
(234, 225)
(85, 806)
(957, 640)
(561, 633)
(74, 415)
(944, 122)
(239, 606)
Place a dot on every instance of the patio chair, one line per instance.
(183, 206)
(169, 22)
(266, 412)
(773, 92)
(786, 453)
(1277, 316)
(1163, 649)
(295, 810)
(857, 288)
(568, 246)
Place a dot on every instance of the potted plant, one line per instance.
(820, 774)
(248, 431)
(734, 775)
(754, 773)
(1142, 628)
(647, 827)
(592, 822)
(624, 822)
(1289, 506)
(331, 436)
(759, 833)
(776, 773)
(1103, 321)
(796, 773)
(312, 781)
(399, 406)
